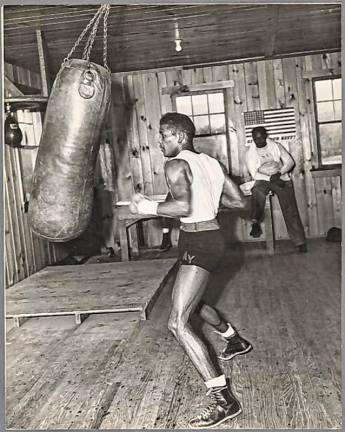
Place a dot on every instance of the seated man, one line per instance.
(269, 163)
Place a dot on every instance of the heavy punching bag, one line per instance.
(63, 180)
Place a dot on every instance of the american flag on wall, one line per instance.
(279, 123)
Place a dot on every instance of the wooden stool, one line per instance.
(269, 225)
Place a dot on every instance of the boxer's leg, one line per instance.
(188, 289)
(235, 344)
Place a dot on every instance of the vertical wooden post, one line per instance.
(43, 60)
(269, 227)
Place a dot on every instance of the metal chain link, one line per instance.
(105, 37)
(82, 34)
(104, 9)
(91, 39)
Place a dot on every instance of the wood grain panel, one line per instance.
(25, 252)
(257, 85)
(311, 220)
(295, 146)
(119, 127)
(337, 202)
(210, 32)
(252, 86)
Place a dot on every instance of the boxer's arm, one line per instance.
(232, 195)
(179, 179)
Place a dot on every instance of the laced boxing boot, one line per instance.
(236, 345)
(224, 406)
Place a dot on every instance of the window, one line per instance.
(327, 96)
(207, 111)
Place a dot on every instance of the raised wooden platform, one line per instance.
(81, 290)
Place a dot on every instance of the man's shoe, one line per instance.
(166, 242)
(224, 406)
(236, 345)
(256, 230)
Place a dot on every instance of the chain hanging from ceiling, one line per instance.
(92, 26)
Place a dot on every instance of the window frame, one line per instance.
(223, 90)
(206, 92)
(317, 122)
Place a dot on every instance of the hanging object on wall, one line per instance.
(63, 180)
(13, 134)
(280, 124)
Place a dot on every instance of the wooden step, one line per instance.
(81, 290)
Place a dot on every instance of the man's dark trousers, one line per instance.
(288, 205)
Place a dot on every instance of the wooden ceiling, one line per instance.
(142, 37)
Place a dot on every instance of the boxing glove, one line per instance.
(146, 206)
(133, 204)
(142, 205)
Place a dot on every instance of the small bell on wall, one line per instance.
(13, 134)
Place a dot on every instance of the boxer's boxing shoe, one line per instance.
(224, 406)
(236, 345)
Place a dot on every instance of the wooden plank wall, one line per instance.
(23, 77)
(25, 253)
(267, 84)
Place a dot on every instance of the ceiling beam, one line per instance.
(271, 29)
(10, 89)
(43, 61)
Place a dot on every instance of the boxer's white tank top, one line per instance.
(206, 188)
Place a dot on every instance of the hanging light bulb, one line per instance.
(178, 40)
(13, 134)
(178, 46)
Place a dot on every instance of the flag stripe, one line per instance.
(287, 123)
(279, 123)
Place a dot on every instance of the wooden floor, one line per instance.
(114, 371)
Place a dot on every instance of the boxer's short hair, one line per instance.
(179, 123)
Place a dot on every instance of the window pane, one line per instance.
(330, 141)
(201, 125)
(200, 104)
(214, 146)
(325, 111)
(323, 89)
(337, 110)
(337, 88)
(217, 123)
(216, 102)
(184, 104)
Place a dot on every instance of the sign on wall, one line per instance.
(279, 123)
